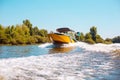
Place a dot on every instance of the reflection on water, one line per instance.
(61, 50)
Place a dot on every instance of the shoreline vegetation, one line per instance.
(25, 34)
(22, 34)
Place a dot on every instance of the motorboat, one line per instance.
(62, 36)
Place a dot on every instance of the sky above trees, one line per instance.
(78, 15)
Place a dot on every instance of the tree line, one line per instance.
(93, 37)
(25, 33)
(22, 34)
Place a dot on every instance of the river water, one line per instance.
(79, 61)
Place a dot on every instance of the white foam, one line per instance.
(46, 45)
(98, 47)
(59, 66)
(54, 67)
(88, 47)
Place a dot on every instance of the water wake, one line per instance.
(88, 47)
(94, 63)
(99, 47)
(75, 66)
(46, 45)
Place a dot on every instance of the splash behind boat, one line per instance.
(63, 35)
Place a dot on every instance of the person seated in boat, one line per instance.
(71, 35)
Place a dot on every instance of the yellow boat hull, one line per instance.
(59, 38)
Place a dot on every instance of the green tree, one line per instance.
(82, 37)
(88, 38)
(8, 30)
(93, 32)
(43, 33)
(22, 34)
(99, 39)
(19, 30)
(2, 34)
(25, 30)
(12, 28)
(108, 41)
(35, 30)
(116, 39)
(29, 25)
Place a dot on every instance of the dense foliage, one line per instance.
(93, 32)
(93, 37)
(22, 34)
(27, 34)
(116, 39)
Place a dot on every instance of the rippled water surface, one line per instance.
(70, 62)
(21, 51)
